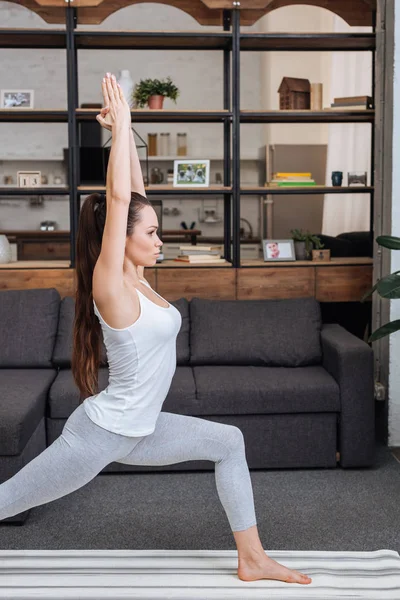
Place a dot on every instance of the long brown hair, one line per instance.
(87, 336)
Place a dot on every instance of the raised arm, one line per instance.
(118, 185)
(137, 183)
(106, 120)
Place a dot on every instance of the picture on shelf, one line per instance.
(276, 250)
(193, 173)
(16, 99)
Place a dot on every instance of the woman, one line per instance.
(116, 239)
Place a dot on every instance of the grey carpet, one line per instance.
(297, 509)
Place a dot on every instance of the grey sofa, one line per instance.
(299, 390)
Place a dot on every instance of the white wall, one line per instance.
(394, 339)
(315, 66)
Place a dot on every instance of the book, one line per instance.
(198, 247)
(292, 184)
(300, 179)
(350, 107)
(279, 174)
(200, 252)
(353, 100)
(366, 104)
(198, 257)
(213, 261)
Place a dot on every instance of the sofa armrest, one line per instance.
(350, 361)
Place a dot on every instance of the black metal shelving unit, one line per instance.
(232, 42)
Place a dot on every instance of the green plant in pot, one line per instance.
(304, 243)
(387, 287)
(153, 91)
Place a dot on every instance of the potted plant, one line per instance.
(153, 91)
(304, 242)
(387, 287)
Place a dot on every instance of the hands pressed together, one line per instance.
(116, 110)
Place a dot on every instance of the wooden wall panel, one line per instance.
(282, 282)
(27, 279)
(214, 283)
(342, 284)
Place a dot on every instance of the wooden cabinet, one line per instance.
(40, 245)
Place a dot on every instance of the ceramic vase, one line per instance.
(5, 249)
(126, 82)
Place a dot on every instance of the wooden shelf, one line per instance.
(146, 115)
(334, 262)
(306, 41)
(32, 115)
(50, 190)
(153, 40)
(314, 189)
(37, 264)
(185, 40)
(164, 189)
(327, 115)
(33, 38)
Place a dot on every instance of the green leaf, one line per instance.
(389, 286)
(371, 291)
(388, 241)
(385, 330)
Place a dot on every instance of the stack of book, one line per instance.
(352, 102)
(200, 254)
(291, 180)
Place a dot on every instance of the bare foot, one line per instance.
(267, 568)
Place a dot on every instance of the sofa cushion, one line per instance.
(284, 333)
(182, 340)
(181, 397)
(239, 390)
(23, 394)
(64, 396)
(29, 319)
(63, 347)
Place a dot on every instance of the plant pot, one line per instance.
(300, 251)
(155, 101)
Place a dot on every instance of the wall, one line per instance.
(394, 339)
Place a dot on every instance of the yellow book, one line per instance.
(291, 175)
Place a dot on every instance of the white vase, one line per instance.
(5, 249)
(126, 82)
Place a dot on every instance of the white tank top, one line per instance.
(142, 362)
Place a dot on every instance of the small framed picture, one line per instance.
(191, 173)
(29, 178)
(16, 99)
(276, 250)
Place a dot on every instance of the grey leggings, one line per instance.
(84, 449)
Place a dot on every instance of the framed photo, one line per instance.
(29, 178)
(278, 250)
(16, 99)
(191, 173)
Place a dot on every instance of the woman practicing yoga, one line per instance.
(116, 239)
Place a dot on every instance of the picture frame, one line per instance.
(191, 173)
(16, 99)
(278, 250)
(29, 178)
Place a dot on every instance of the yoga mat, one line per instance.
(187, 574)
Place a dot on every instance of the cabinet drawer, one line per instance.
(35, 250)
